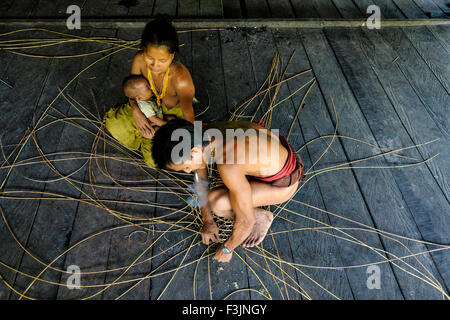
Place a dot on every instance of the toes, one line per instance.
(246, 242)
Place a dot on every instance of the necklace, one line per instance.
(159, 97)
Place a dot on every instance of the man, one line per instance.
(257, 167)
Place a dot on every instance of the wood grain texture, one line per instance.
(432, 52)
(430, 9)
(211, 8)
(327, 9)
(421, 78)
(208, 76)
(232, 9)
(188, 8)
(281, 9)
(165, 7)
(257, 9)
(431, 212)
(49, 242)
(143, 8)
(443, 5)
(333, 83)
(410, 9)
(312, 246)
(388, 9)
(283, 285)
(348, 9)
(399, 198)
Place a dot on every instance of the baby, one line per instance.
(137, 87)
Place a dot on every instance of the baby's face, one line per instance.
(142, 91)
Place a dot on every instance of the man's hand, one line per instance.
(210, 232)
(221, 256)
(142, 123)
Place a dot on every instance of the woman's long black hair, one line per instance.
(160, 32)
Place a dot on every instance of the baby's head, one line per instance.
(136, 87)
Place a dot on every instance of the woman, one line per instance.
(171, 83)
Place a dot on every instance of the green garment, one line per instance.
(120, 123)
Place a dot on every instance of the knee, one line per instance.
(219, 201)
(288, 193)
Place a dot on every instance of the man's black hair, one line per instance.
(162, 141)
(161, 32)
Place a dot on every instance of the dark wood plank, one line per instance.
(333, 188)
(143, 8)
(388, 9)
(131, 247)
(430, 9)
(348, 9)
(211, 8)
(177, 251)
(304, 9)
(90, 220)
(442, 34)
(317, 247)
(389, 133)
(20, 9)
(54, 8)
(114, 9)
(281, 9)
(94, 8)
(410, 9)
(326, 9)
(443, 5)
(188, 9)
(332, 83)
(283, 284)
(430, 212)
(4, 6)
(165, 7)
(13, 125)
(208, 75)
(424, 82)
(232, 9)
(432, 52)
(47, 243)
(257, 9)
(40, 84)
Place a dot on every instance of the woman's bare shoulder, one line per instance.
(180, 72)
(138, 63)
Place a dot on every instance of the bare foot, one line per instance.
(264, 219)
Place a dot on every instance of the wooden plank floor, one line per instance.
(377, 90)
(330, 9)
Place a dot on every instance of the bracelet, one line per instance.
(225, 250)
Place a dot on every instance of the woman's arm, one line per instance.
(139, 118)
(185, 89)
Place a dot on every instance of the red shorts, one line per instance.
(291, 172)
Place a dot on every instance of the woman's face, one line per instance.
(157, 58)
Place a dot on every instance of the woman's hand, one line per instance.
(142, 123)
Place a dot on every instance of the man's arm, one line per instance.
(241, 203)
(210, 231)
